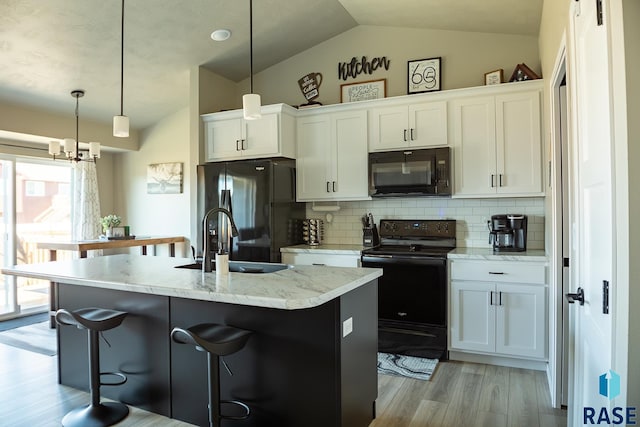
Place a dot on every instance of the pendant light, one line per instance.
(72, 148)
(251, 101)
(121, 122)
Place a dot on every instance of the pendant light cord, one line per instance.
(250, 45)
(122, 63)
(77, 127)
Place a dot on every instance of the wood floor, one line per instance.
(459, 394)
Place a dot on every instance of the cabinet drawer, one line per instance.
(495, 271)
(334, 260)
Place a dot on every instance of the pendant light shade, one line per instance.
(121, 122)
(251, 101)
(121, 126)
(251, 106)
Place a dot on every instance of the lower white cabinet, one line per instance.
(333, 260)
(498, 312)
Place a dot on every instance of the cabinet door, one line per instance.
(350, 163)
(388, 129)
(261, 136)
(474, 139)
(518, 147)
(521, 320)
(313, 162)
(428, 124)
(472, 316)
(224, 139)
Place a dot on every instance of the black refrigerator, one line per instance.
(260, 194)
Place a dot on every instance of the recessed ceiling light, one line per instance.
(221, 35)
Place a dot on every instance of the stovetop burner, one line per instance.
(424, 238)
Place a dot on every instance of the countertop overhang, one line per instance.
(298, 287)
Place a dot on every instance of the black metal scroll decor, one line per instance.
(356, 66)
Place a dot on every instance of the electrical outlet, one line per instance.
(347, 327)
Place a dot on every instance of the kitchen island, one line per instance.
(311, 360)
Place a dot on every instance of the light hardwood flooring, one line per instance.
(459, 394)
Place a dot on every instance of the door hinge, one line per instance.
(605, 297)
(599, 12)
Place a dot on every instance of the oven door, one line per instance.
(412, 289)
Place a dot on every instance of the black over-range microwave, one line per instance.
(425, 172)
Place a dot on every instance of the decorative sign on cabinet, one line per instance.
(230, 137)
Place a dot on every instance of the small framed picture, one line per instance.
(117, 232)
(424, 75)
(494, 77)
(362, 91)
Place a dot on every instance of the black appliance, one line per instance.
(260, 194)
(424, 172)
(412, 292)
(508, 233)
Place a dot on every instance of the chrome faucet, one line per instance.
(206, 256)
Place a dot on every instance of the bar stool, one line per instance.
(216, 341)
(95, 320)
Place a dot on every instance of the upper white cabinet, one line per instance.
(332, 161)
(417, 125)
(230, 137)
(497, 144)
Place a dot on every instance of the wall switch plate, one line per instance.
(347, 327)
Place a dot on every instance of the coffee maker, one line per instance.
(508, 233)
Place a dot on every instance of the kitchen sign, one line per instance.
(361, 66)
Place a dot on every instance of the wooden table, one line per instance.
(82, 246)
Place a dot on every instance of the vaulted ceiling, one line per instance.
(50, 47)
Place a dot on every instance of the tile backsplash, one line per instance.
(471, 215)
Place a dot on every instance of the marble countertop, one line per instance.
(297, 287)
(325, 249)
(488, 254)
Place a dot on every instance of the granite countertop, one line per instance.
(490, 255)
(325, 249)
(297, 287)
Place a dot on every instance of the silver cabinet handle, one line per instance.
(328, 190)
(492, 184)
(412, 138)
(237, 145)
(405, 134)
(500, 182)
(334, 186)
(491, 298)
(242, 144)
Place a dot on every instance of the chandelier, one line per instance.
(70, 146)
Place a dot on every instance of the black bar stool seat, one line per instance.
(216, 341)
(95, 320)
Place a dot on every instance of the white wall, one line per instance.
(471, 217)
(156, 214)
(465, 58)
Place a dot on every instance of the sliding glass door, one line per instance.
(35, 207)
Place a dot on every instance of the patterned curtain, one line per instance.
(86, 202)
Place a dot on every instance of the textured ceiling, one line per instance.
(50, 47)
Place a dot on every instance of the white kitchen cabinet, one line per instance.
(331, 161)
(498, 308)
(230, 137)
(333, 260)
(398, 127)
(497, 145)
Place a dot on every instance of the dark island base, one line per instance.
(296, 369)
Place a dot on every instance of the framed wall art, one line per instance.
(424, 75)
(363, 91)
(164, 178)
(494, 77)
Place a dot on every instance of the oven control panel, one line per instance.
(404, 228)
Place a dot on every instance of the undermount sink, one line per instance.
(242, 267)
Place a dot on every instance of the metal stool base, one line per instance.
(101, 415)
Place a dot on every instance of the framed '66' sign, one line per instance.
(424, 75)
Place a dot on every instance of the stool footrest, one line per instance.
(123, 378)
(238, 403)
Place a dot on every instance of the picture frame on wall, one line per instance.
(423, 75)
(363, 91)
(494, 77)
